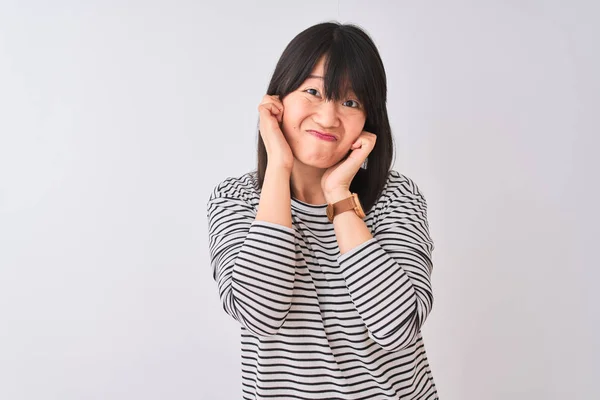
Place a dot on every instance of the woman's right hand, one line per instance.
(279, 152)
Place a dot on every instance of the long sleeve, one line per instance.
(388, 277)
(253, 262)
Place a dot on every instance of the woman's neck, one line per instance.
(305, 183)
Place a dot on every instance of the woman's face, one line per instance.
(306, 113)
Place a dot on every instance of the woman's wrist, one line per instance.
(337, 195)
(278, 169)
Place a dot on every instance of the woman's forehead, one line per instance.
(319, 68)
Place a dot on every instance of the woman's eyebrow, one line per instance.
(315, 76)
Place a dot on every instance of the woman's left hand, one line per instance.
(335, 183)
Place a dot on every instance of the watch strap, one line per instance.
(347, 204)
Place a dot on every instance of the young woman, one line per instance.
(331, 301)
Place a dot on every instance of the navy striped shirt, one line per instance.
(316, 324)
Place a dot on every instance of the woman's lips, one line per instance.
(322, 136)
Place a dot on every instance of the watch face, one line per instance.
(330, 211)
(359, 209)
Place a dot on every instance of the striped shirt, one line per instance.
(316, 324)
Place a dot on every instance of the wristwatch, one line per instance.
(347, 204)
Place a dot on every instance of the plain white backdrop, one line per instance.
(117, 119)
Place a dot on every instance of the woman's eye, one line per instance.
(351, 103)
(314, 92)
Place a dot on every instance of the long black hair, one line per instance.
(351, 58)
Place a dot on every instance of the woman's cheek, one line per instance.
(309, 99)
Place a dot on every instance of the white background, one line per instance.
(117, 118)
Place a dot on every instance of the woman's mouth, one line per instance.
(322, 136)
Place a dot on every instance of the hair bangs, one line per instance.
(352, 67)
(342, 75)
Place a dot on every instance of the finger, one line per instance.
(275, 99)
(368, 136)
(359, 143)
(272, 99)
(268, 111)
(367, 133)
(365, 139)
(279, 113)
(276, 107)
(272, 108)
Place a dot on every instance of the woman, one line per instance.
(331, 301)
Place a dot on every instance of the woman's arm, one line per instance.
(275, 200)
(388, 275)
(253, 256)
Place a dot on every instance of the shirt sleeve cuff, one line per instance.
(356, 250)
(273, 226)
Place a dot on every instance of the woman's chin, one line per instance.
(320, 164)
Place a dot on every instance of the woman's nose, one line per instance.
(326, 114)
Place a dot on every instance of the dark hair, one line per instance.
(351, 59)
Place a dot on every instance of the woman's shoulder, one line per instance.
(398, 185)
(243, 187)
